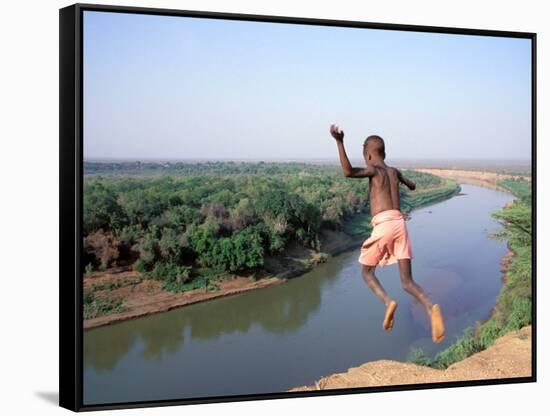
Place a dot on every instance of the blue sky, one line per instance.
(178, 88)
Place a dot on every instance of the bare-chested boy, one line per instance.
(389, 241)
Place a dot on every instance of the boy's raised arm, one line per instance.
(405, 181)
(349, 171)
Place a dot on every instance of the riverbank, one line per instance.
(490, 180)
(142, 297)
(138, 297)
(508, 357)
(505, 262)
(147, 297)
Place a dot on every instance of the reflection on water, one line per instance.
(276, 310)
(283, 336)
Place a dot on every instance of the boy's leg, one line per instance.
(433, 311)
(372, 281)
(411, 287)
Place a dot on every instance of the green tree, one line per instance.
(100, 208)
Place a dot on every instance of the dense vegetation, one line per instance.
(189, 224)
(514, 303)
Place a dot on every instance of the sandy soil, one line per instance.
(148, 297)
(479, 178)
(508, 357)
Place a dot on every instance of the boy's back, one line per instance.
(384, 189)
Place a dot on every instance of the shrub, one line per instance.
(148, 248)
(242, 250)
(95, 306)
(174, 277)
(139, 266)
(103, 246)
(520, 315)
(417, 356)
(489, 331)
(320, 257)
(89, 270)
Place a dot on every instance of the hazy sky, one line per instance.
(176, 87)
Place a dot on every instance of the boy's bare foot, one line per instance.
(388, 319)
(438, 326)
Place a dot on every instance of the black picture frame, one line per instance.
(70, 208)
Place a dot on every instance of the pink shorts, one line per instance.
(388, 242)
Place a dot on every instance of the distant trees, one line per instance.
(223, 216)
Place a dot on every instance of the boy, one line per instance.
(389, 241)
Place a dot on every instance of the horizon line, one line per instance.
(279, 159)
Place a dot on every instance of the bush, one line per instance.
(320, 257)
(89, 270)
(520, 315)
(197, 283)
(88, 297)
(173, 276)
(243, 249)
(489, 331)
(139, 266)
(95, 306)
(417, 356)
(103, 247)
(148, 248)
(171, 245)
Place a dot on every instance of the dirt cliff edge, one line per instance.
(508, 357)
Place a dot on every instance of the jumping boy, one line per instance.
(389, 241)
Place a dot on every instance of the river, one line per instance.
(272, 339)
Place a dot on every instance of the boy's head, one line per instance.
(373, 148)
